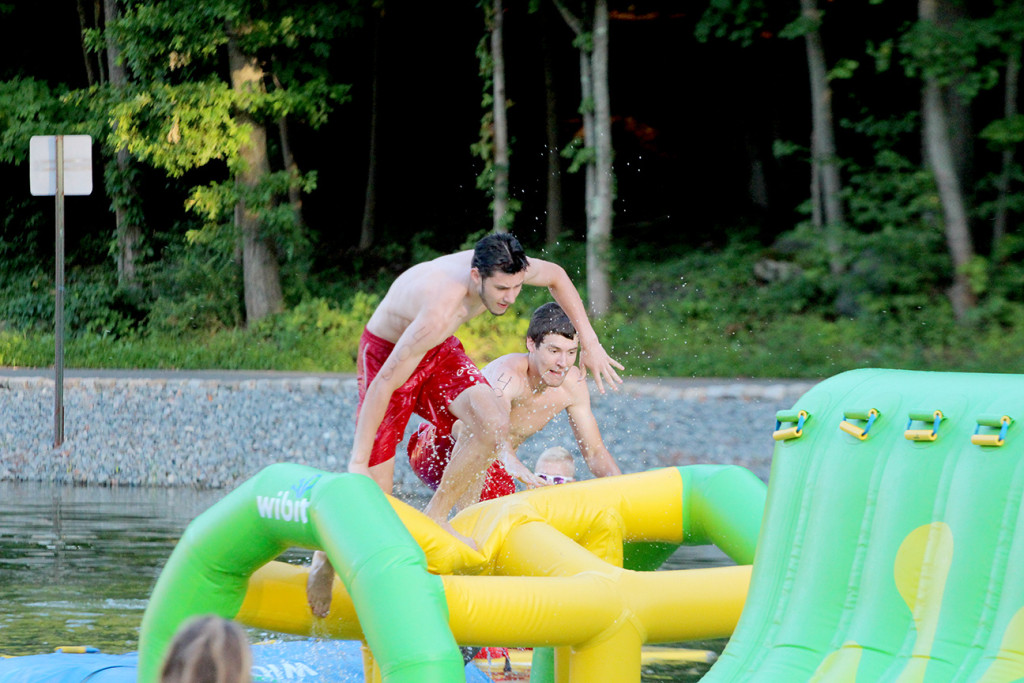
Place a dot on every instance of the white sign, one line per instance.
(42, 159)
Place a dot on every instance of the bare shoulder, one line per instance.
(507, 374)
(445, 275)
(433, 290)
(543, 273)
(462, 260)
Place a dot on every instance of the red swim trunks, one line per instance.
(444, 373)
(430, 449)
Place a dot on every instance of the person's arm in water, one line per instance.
(426, 331)
(585, 429)
(592, 355)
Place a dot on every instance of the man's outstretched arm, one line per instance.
(588, 436)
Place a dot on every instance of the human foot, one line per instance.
(319, 584)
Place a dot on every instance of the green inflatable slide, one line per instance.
(892, 547)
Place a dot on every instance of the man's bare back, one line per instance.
(440, 284)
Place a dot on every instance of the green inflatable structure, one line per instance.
(892, 547)
(286, 506)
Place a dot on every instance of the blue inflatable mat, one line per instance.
(306, 661)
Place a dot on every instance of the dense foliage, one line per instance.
(721, 262)
(677, 313)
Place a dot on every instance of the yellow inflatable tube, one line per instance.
(549, 570)
(674, 606)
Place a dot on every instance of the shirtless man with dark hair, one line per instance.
(409, 361)
(532, 388)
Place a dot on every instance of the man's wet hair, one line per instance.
(550, 319)
(499, 252)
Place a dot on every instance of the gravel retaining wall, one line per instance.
(216, 432)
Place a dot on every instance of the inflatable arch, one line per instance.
(549, 572)
(893, 542)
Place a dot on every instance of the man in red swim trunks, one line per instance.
(532, 388)
(425, 366)
(430, 449)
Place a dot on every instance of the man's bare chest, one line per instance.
(529, 415)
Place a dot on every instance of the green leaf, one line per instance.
(843, 69)
(799, 27)
(1004, 133)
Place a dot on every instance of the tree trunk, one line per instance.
(587, 96)
(128, 234)
(817, 213)
(938, 145)
(290, 165)
(948, 13)
(597, 136)
(87, 57)
(98, 20)
(757, 186)
(501, 166)
(1003, 184)
(260, 270)
(369, 224)
(599, 231)
(825, 163)
(553, 214)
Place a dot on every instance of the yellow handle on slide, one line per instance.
(1001, 421)
(924, 434)
(798, 416)
(869, 415)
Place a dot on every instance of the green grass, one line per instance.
(790, 346)
(695, 313)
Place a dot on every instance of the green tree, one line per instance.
(553, 211)
(119, 177)
(368, 226)
(493, 145)
(183, 111)
(956, 57)
(589, 23)
(743, 22)
(942, 160)
(496, 24)
(826, 187)
(1006, 134)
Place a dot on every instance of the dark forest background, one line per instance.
(723, 256)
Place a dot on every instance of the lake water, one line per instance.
(77, 565)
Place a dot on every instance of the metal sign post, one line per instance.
(59, 165)
(58, 302)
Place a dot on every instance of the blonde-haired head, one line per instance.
(208, 649)
(556, 461)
